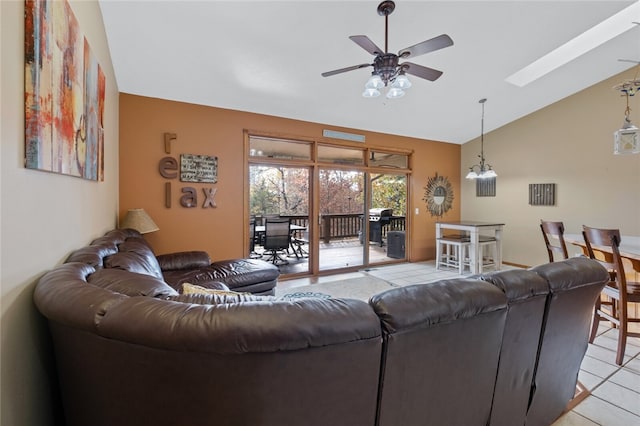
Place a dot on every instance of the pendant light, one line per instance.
(484, 169)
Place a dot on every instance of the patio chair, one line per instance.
(298, 242)
(550, 232)
(619, 292)
(277, 239)
(253, 238)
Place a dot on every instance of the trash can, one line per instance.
(396, 244)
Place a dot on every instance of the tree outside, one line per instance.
(285, 191)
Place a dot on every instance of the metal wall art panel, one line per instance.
(542, 194)
(486, 187)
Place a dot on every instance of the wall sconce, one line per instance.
(139, 220)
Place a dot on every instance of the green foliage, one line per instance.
(390, 192)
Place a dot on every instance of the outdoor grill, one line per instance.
(378, 217)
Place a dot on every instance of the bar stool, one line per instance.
(451, 251)
(485, 257)
(486, 243)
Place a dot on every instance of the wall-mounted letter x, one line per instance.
(209, 193)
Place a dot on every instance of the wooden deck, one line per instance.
(338, 254)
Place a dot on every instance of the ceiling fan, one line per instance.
(386, 66)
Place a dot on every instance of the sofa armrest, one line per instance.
(183, 260)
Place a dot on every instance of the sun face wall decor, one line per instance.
(438, 195)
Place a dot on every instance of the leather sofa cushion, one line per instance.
(135, 255)
(434, 303)
(518, 284)
(238, 274)
(132, 262)
(93, 255)
(219, 298)
(240, 328)
(130, 283)
(184, 260)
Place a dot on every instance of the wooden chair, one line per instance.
(277, 239)
(619, 291)
(554, 230)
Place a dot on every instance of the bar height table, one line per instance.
(474, 229)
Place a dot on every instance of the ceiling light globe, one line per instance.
(374, 82)
(471, 175)
(488, 174)
(395, 92)
(401, 82)
(371, 93)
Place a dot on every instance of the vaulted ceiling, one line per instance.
(267, 57)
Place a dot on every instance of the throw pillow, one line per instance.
(188, 288)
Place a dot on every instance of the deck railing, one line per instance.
(341, 226)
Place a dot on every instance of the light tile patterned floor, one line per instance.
(615, 390)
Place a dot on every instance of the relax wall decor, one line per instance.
(64, 94)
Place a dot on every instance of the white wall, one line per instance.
(44, 216)
(569, 143)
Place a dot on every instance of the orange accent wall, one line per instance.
(219, 132)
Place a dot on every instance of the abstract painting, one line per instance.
(64, 94)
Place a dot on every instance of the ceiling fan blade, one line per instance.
(427, 46)
(366, 43)
(420, 71)
(341, 70)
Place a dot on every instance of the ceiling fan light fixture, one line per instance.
(387, 70)
(371, 93)
(395, 92)
(374, 82)
(401, 81)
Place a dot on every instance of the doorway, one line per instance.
(344, 203)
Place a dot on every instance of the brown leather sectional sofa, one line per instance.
(125, 249)
(500, 349)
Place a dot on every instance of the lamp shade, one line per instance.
(627, 139)
(139, 220)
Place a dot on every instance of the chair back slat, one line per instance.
(554, 229)
(609, 240)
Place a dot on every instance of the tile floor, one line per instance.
(615, 390)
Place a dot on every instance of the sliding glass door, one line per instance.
(387, 217)
(341, 207)
(346, 205)
(280, 192)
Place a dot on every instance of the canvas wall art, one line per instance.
(64, 94)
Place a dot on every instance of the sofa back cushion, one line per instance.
(526, 294)
(93, 255)
(441, 350)
(130, 283)
(135, 255)
(574, 286)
